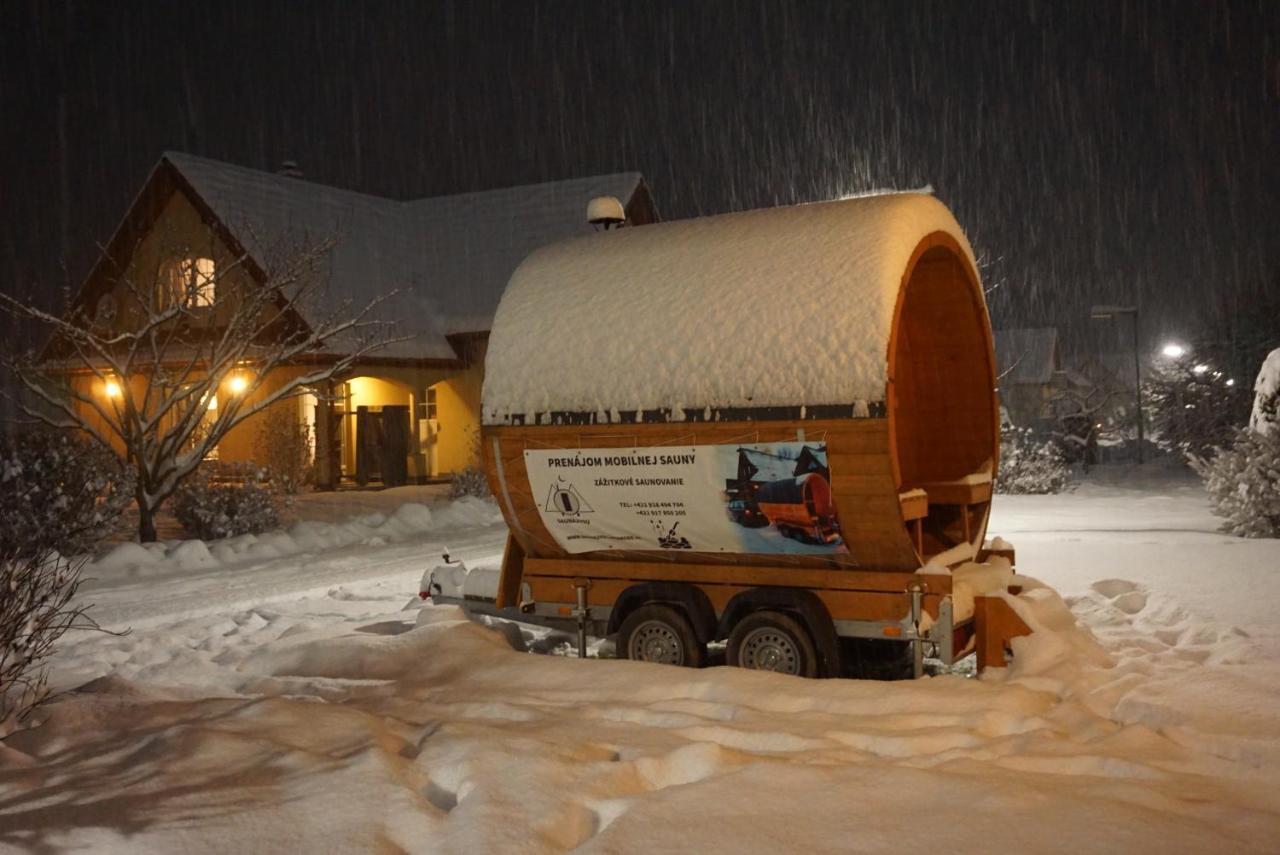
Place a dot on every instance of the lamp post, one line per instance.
(1105, 313)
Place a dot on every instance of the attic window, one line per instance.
(189, 282)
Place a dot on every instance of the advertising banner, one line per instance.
(767, 498)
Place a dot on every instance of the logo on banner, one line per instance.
(564, 499)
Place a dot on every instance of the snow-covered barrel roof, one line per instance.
(775, 307)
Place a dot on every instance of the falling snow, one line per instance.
(1120, 153)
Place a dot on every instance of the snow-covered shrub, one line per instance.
(285, 443)
(1028, 465)
(60, 491)
(471, 480)
(36, 588)
(1265, 417)
(1243, 483)
(1192, 410)
(210, 508)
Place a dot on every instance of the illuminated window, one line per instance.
(188, 281)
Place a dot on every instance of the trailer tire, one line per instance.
(773, 641)
(661, 634)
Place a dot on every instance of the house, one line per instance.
(1029, 366)
(409, 410)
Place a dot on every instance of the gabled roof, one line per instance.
(1026, 355)
(448, 258)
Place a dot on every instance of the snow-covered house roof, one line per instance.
(447, 257)
(1026, 355)
(775, 307)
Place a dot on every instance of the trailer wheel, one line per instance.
(662, 634)
(773, 641)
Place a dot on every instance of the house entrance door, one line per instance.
(382, 445)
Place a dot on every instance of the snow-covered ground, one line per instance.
(303, 701)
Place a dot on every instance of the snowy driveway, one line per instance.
(295, 705)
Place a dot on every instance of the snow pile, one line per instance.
(781, 307)
(340, 721)
(328, 716)
(460, 582)
(971, 580)
(1058, 648)
(376, 529)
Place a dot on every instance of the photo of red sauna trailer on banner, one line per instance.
(767, 498)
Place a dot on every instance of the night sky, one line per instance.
(1109, 151)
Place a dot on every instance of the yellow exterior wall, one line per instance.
(458, 403)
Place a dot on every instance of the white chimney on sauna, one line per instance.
(606, 211)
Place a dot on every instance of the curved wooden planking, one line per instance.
(863, 486)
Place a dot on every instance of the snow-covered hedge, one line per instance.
(1265, 417)
(210, 510)
(1028, 465)
(1243, 481)
(470, 481)
(285, 444)
(60, 491)
(1194, 412)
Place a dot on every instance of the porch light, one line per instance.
(111, 387)
(237, 384)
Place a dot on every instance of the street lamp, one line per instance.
(1173, 350)
(1106, 313)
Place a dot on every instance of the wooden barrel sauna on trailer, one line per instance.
(756, 427)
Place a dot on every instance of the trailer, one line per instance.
(652, 395)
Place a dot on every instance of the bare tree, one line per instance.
(160, 370)
(1080, 414)
(35, 612)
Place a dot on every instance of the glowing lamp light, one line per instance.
(112, 388)
(1200, 369)
(1174, 351)
(237, 384)
(1231, 381)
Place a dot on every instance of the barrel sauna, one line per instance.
(774, 397)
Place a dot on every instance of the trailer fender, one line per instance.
(804, 605)
(688, 598)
